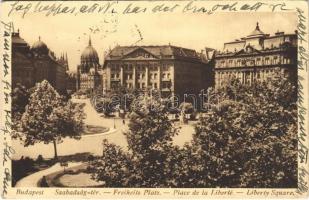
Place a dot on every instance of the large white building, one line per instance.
(256, 57)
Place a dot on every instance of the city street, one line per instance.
(90, 143)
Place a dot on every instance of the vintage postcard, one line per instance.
(154, 99)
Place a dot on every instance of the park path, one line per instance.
(33, 179)
(94, 118)
(91, 143)
(87, 143)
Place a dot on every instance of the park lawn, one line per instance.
(92, 130)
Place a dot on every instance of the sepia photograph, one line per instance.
(169, 100)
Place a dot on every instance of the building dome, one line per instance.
(257, 32)
(40, 47)
(89, 55)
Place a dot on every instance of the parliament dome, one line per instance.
(89, 54)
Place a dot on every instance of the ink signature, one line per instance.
(7, 152)
(6, 179)
(302, 183)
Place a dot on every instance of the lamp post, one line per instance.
(114, 122)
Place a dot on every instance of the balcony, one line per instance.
(115, 79)
(166, 79)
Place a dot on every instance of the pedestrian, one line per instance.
(44, 182)
(124, 122)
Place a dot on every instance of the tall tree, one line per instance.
(150, 140)
(114, 168)
(150, 150)
(48, 117)
(244, 139)
(20, 98)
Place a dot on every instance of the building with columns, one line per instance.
(89, 72)
(168, 69)
(257, 57)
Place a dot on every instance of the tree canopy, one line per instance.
(247, 138)
(49, 118)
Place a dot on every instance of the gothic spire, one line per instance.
(89, 41)
(66, 61)
(257, 26)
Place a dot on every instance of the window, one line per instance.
(267, 60)
(286, 73)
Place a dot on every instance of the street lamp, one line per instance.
(114, 123)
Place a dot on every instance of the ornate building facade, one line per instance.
(168, 69)
(71, 82)
(32, 65)
(257, 57)
(89, 72)
(23, 71)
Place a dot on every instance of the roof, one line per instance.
(89, 53)
(157, 51)
(16, 39)
(40, 47)
(257, 32)
(257, 39)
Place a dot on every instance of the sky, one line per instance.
(70, 34)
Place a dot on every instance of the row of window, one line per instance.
(82, 78)
(25, 73)
(141, 76)
(252, 62)
(231, 73)
(246, 77)
(140, 67)
(141, 85)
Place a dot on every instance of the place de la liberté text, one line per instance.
(158, 192)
